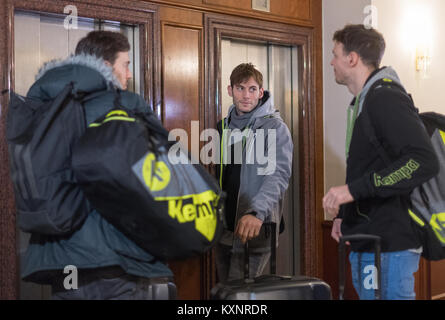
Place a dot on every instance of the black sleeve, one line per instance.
(341, 212)
(399, 129)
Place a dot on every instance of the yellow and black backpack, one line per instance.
(172, 210)
(428, 199)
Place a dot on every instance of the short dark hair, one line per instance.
(244, 72)
(103, 44)
(368, 43)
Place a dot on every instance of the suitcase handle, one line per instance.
(377, 261)
(273, 253)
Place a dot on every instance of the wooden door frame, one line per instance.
(133, 12)
(309, 114)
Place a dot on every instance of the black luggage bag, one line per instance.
(273, 286)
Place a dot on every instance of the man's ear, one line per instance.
(108, 63)
(261, 93)
(229, 91)
(353, 58)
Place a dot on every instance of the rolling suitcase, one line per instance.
(273, 286)
(342, 264)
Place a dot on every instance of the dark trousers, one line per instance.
(114, 284)
(230, 265)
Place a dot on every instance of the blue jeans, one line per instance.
(398, 270)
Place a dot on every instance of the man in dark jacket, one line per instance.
(108, 264)
(365, 205)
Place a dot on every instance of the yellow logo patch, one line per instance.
(195, 207)
(156, 173)
(438, 224)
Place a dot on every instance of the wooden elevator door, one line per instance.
(182, 93)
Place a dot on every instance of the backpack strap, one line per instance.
(367, 123)
(370, 131)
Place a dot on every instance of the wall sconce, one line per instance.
(418, 32)
(423, 60)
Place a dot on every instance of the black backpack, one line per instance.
(40, 137)
(427, 200)
(172, 210)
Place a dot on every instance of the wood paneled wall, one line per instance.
(331, 265)
(182, 74)
(297, 12)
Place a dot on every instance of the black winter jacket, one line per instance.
(382, 194)
(96, 244)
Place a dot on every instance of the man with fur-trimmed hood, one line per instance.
(110, 266)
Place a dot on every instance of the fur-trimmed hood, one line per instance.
(88, 73)
(90, 61)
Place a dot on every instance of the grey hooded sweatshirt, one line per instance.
(266, 167)
(387, 72)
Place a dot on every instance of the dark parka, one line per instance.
(97, 243)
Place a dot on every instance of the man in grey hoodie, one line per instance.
(255, 186)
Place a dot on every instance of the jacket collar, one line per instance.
(90, 61)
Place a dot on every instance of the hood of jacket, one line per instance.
(87, 72)
(261, 112)
(385, 72)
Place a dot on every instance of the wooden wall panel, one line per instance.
(196, 3)
(318, 164)
(437, 279)
(8, 261)
(422, 281)
(238, 4)
(300, 9)
(330, 265)
(296, 12)
(182, 100)
(177, 16)
(181, 76)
